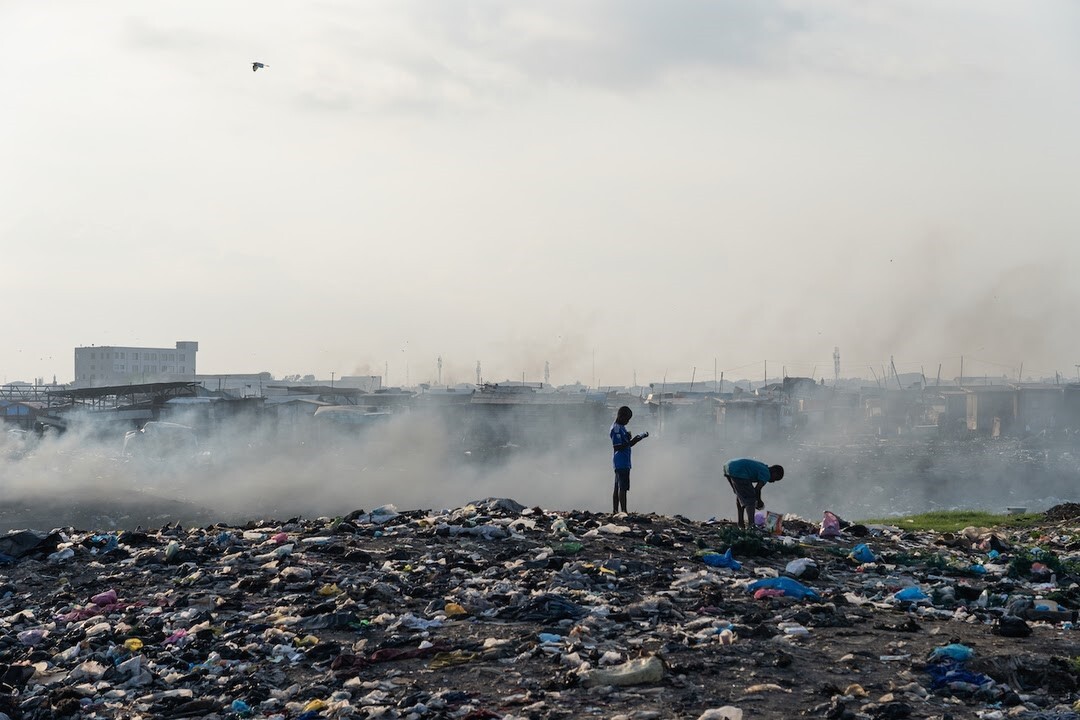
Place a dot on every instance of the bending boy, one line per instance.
(747, 477)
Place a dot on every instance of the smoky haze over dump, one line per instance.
(435, 458)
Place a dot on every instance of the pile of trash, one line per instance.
(496, 610)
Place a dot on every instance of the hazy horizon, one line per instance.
(639, 188)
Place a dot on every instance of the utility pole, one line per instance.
(439, 363)
(331, 379)
(477, 373)
(836, 365)
(547, 373)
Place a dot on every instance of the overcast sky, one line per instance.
(658, 184)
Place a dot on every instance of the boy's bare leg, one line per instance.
(739, 506)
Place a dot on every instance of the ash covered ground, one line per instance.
(496, 610)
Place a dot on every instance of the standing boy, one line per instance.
(747, 477)
(621, 443)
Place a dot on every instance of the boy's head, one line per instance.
(623, 415)
(776, 473)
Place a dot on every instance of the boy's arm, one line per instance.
(757, 492)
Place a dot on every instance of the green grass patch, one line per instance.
(955, 520)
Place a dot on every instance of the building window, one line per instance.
(93, 356)
(122, 356)
(134, 356)
(182, 357)
(183, 369)
(172, 356)
(93, 367)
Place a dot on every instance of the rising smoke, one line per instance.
(254, 469)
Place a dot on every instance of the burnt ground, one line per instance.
(495, 610)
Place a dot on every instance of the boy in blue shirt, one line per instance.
(621, 442)
(747, 477)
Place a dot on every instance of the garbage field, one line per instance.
(497, 610)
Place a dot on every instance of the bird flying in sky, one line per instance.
(256, 65)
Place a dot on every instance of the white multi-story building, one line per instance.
(100, 366)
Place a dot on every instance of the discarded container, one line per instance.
(774, 523)
(793, 629)
(635, 672)
(802, 568)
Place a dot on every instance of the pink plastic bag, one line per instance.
(830, 525)
(768, 593)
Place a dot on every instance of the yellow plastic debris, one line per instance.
(306, 641)
(453, 609)
(449, 659)
(133, 644)
(315, 704)
(328, 590)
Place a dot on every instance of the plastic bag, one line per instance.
(718, 560)
(862, 553)
(911, 594)
(955, 651)
(791, 588)
(830, 525)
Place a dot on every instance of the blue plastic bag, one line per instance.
(911, 594)
(792, 588)
(240, 707)
(862, 553)
(717, 560)
(954, 651)
(944, 673)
